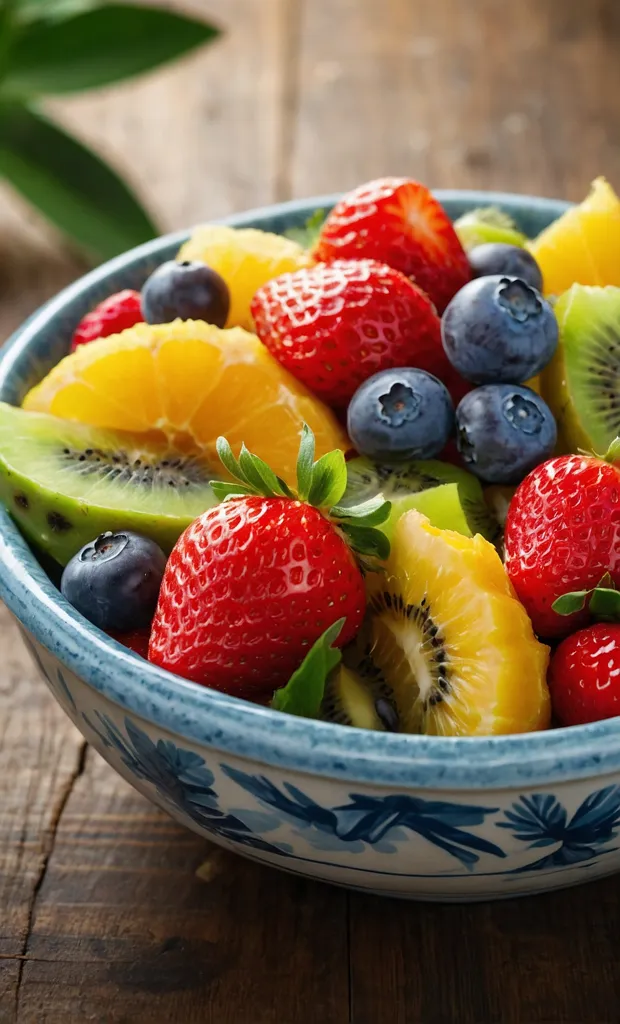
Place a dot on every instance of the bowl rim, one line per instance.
(208, 718)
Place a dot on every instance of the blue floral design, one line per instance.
(375, 820)
(59, 686)
(182, 778)
(542, 821)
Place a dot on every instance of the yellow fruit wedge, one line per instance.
(450, 638)
(190, 382)
(583, 245)
(246, 258)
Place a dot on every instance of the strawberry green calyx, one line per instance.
(603, 601)
(308, 235)
(321, 484)
(612, 454)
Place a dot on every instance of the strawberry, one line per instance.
(113, 315)
(584, 675)
(255, 581)
(563, 534)
(137, 641)
(399, 222)
(335, 325)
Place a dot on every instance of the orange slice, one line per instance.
(246, 258)
(447, 634)
(583, 245)
(191, 382)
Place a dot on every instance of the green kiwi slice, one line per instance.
(64, 483)
(582, 383)
(487, 224)
(449, 496)
(360, 697)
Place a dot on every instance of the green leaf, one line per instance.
(261, 476)
(568, 604)
(69, 184)
(308, 235)
(97, 46)
(605, 604)
(366, 540)
(303, 694)
(305, 462)
(228, 460)
(329, 480)
(368, 513)
(224, 490)
(50, 10)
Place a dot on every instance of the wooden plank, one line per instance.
(125, 931)
(40, 757)
(483, 94)
(549, 958)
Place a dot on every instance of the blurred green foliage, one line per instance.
(57, 47)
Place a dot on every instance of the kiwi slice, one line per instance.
(487, 224)
(581, 385)
(449, 638)
(64, 483)
(449, 496)
(360, 697)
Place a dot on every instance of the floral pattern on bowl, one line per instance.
(285, 823)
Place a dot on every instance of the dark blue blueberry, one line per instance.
(499, 330)
(503, 431)
(400, 414)
(189, 290)
(114, 581)
(494, 258)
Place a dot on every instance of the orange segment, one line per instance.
(451, 639)
(246, 258)
(583, 245)
(192, 382)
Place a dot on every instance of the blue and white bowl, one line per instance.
(410, 816)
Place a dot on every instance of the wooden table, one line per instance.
(109, 912)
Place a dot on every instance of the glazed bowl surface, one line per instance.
(408, 816)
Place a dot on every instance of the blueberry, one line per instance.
(400, 414)
(499, 330)
(114, 581)
(190, 290)
(503, 431)
(509, 260)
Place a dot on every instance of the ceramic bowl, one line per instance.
(408, 816)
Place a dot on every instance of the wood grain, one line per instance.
(125, 931)
(102, 915)
(483, 94)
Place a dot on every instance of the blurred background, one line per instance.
(307, 96)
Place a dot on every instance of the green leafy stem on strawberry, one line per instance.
(603, 601)
(321, 484)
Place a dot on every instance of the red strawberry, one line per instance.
(399, 222)
(114, 314)
(563, 535)
(137, 641)
(334, 326)
(584, 675)
(254, 582)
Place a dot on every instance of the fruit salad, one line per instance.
(366, 472)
